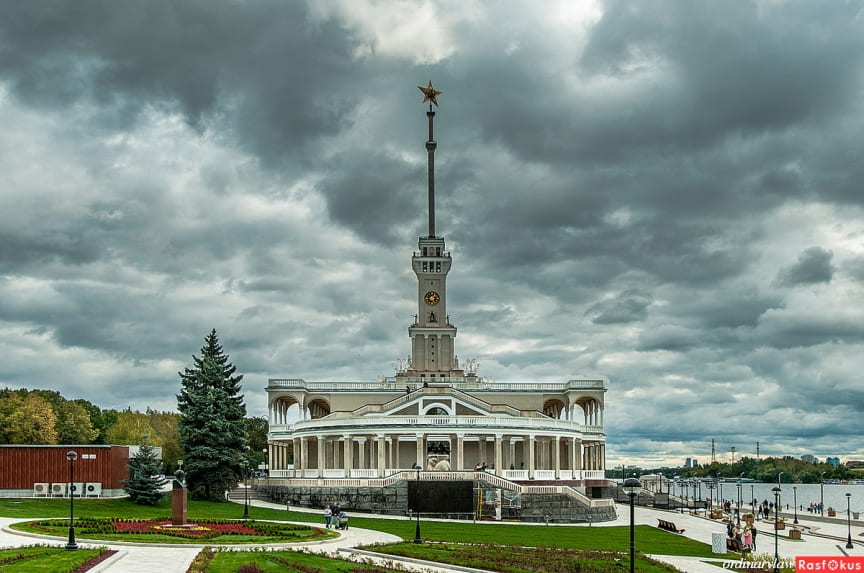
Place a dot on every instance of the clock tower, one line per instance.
(432, 336)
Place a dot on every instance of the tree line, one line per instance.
(46, 417)
(794, 470)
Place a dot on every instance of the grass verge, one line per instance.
(39, 558)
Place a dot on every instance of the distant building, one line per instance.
(855, 464)
(833, 461)
(809, 458)
(691, 463)
(43, 471)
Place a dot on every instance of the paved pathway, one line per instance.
(146, 558)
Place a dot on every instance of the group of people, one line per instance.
(745, 536)
(334, 516)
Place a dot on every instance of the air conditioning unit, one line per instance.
(92, 489)
(58, 489)
(41, 489)
(78, 489)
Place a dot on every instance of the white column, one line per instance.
(531, 457)
(381, 452)
(304, 452)
(512, 452)
(460, 452)
(348, 456)
(421, 454)
(321, 452)
(556, 456)
(361, 452)
(499, 457)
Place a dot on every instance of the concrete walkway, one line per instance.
(827, 537)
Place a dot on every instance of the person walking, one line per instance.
(328, 516)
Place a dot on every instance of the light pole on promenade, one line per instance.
(740, 477)
(71, 456)
(848, 522)
(752, 500)
(417, 538)
(795, 501)
(632, 486)
(245, 466)
(822, 493)
(776, 490)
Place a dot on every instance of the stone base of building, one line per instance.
(394, 500)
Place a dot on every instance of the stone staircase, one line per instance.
(238, 493)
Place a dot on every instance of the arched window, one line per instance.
(437, 411)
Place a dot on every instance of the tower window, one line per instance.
(438, 267)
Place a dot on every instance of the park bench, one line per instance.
(733, 544)
(669, 526)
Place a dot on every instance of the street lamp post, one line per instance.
(776, 490)
(740, 477)
(822, 493)
(266, 464)
(632, 486)
(752, 500)
(417, 538)
(795, 501)
(245, 466)
(710, 495)
(71, 456)
(848, 522)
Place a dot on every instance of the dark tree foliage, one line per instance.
(212, 423)
(145, 482)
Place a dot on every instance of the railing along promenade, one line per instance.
(412, 475)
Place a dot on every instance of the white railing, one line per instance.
(408, 422)
(515, 474)
(397, 384)
(544, 474)
(593, 474)
(566, 474)
(364, 473)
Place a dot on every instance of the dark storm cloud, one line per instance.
(634, 195)
(278, 80)
(813, 266)
(628, 306)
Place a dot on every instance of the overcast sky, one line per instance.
(669, 194)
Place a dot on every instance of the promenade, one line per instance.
(828, 538)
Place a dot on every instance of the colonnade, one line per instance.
(381, 454)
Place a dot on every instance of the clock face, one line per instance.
(432, 298)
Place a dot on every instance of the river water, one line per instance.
(835, 494)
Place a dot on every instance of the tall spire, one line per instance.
(430, 94)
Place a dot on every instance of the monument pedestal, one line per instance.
(178, 505)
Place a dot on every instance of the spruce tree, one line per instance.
(145, 482)
(212, 423)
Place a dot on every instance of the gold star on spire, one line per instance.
(430, 94)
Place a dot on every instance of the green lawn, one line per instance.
(518, 559)
(35, 559)
(278, 561)
(648, 539)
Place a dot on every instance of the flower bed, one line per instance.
(220, 530)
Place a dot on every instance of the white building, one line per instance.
(439, 414)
